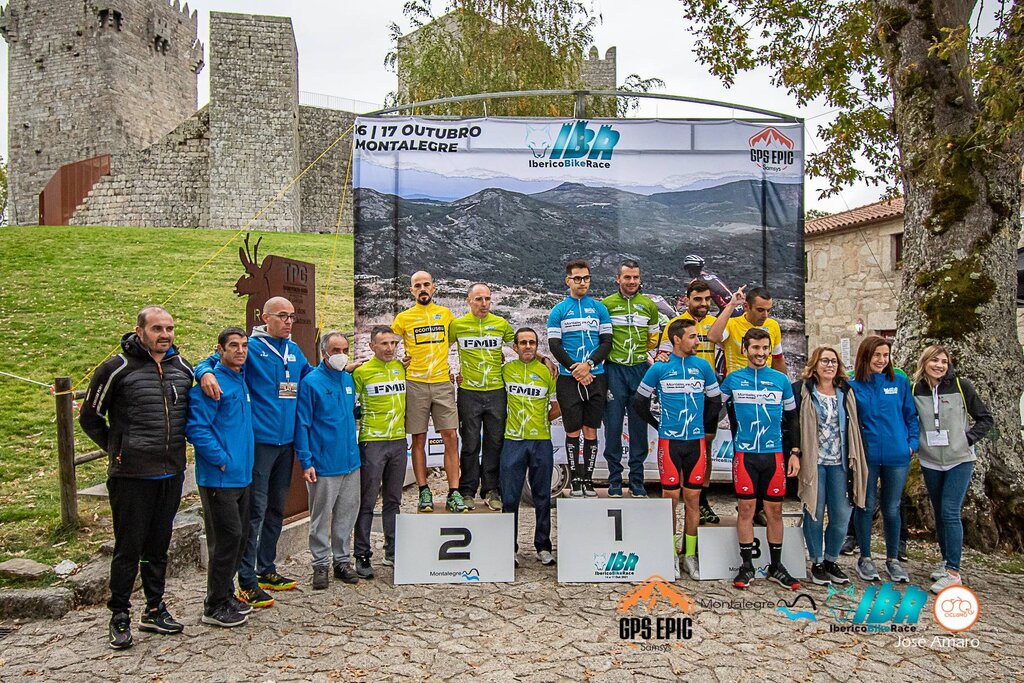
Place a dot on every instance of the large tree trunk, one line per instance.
(962, 227)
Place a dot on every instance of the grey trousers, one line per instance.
(333, 506)
(382, 472)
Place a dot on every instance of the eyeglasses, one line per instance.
(285, 317)
(580, 279)
(828, 361)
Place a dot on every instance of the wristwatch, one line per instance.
(590, 362)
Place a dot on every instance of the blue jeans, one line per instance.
(623, 381)
(831, 491)
(535, 456)
(893, 480)
(947, 490)
(271, 477)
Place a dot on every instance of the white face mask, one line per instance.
(338, 361)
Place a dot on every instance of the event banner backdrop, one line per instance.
(510, 201)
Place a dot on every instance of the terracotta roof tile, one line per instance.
(862, 215)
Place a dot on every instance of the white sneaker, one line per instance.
(692, 567)
(939, 571)
(677, 574)
(545, 557)
(945, 581)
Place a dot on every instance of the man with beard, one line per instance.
(430, 393)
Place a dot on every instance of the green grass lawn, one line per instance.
(67, 294)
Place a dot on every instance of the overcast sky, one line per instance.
(342, 47)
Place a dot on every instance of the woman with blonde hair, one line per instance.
(944, 402)
(833, 469)
(890, 430)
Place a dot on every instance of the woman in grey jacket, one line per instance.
(944, 403)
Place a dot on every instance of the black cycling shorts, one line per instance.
(581, 406)
(759, 475)
(682, 463)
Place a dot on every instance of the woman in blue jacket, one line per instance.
(888, 420)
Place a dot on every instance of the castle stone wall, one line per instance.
(164, 185)
(254, 122)
(90, 78)
(599, 73)
(321, 187)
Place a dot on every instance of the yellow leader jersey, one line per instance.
(706, 348)
(424, 333)
(732, 344)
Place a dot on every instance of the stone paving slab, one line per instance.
(530, 630)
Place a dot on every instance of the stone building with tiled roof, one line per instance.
(854, 276)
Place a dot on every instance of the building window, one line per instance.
(807, 266)
(887, 334)
(897, 251)
(111, 18)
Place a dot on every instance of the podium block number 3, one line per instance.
(446, 553)
(617, 516)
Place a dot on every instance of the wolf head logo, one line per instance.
(538, 139)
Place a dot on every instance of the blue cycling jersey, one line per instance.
(579, 323)
(681, 383)
(758, 398)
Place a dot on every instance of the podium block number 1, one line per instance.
(617, 516)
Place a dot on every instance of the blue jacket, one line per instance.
(325, 423)
(273, 418)
(221, 432)
(888, 419)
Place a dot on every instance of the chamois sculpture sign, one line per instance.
(280, 276)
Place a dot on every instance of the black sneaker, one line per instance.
(346, 574)
(849, 546)
(363, 568)
(760, 518)
(588, 489)
(820, 575)
(239, 606)
(272, 581)
(835, 574)
(744, 576)
(707, 515)
(576, 488)
(901, 553)
(779, 575)
(224, 616)
(159, 620)
(121, 631)
(321, 579)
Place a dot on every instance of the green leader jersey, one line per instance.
(530, 388)
(479, 341)
(380, 387)
(634, 327)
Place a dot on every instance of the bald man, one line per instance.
(273, 369)
(429, 387)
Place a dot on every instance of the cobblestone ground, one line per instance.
(530, 630)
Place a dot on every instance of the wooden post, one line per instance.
(66, 453)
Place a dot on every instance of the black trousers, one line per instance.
(226, 513)
(486, 409)
(143, 515)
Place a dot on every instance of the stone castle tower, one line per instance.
(92, 77)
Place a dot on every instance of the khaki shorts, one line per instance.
(423, 401)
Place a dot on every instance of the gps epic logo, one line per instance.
(770, 150)
(574, 141)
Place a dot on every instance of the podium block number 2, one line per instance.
(617, 516)
(445, 552)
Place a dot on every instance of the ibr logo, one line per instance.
(576, 140)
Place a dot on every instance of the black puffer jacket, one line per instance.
(145, 404)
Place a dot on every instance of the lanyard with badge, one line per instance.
(936, 437)
(287, 388)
